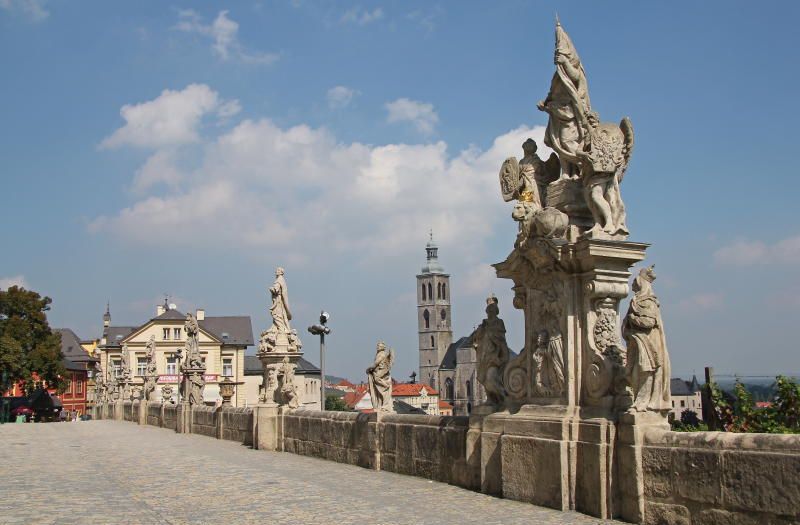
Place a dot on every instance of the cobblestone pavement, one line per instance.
(101, 472)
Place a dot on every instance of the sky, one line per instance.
(159, 147)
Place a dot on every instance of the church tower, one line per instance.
(433, 315)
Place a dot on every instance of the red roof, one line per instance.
(351, 399)
(412, 389)
(345, 382)
(445, 404)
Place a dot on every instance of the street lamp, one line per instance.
(321, 330)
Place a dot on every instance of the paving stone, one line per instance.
(100, 472)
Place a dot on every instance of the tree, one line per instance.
(29, 349)
(336, 404)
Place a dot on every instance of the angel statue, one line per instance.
(379, 377)
(597, 153)
(281, 315)
(648, 364)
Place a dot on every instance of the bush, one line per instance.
(781, 416)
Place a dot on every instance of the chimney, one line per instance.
(160, 310)
(201, 314)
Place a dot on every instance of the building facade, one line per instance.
(445, 366)
(222, 340)
(686, 395)
(306, 374)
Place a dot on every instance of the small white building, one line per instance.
(686, 395)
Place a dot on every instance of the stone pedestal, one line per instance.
(278, 386)
(268, 427)
(554, 444)
(183, 425)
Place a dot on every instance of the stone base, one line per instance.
(268, 427)
(184, 423)
(553, 456)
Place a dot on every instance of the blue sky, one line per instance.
(190, 148)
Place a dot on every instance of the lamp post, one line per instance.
(321, 330)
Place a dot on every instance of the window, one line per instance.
(79, 386)
(438, 290)
(433, 343)
(469, 408)
(448, 388)
(444, 290)
(172, 365)
(427, 316)
(141, 366)
(683, 403)
(430, 291)
(469, 390)
(227, 367)
(165, 332)
(444, 315)
(424, 295)
(176, 333)
(116, 367)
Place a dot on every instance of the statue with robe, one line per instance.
(150, 374)
(289, 391)
(549, 359)
(379, 377)
(192, 346)
(489, 340)
(648, 366)
(281, 315)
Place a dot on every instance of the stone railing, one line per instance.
(696, 478)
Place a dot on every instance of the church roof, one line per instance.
(449, 359)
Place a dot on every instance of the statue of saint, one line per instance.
(192, 346)
(197, 383)
(549, 359)
(150, 374)
(648, 366)
(379, 377)
(281, 315)
(126, 362)
(288, 386)
(490, 344)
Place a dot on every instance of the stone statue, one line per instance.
(269, 384)
(379, 377)
(549, 365)
(126, 362)
(281, 315)
(289, 392)
(648, 364)
(192, 387)
(151, 378)
(192, 346)
(590, 151)
(489, 340)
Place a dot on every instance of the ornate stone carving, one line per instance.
(269, 384)
(125, 372)
(492, 351)
(648, 363)
(379, 378)
(595, 153)
(166, 395)
(549, 365)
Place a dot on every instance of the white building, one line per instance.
(686, 395)
(222, 341)
(306, 374)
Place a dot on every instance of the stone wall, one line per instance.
(709, 478)
(204, 421)
(433, 447)
(154, 414)
(169, 417)
(127, 411)
(237, 424)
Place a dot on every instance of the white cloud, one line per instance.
(340, 96)
(701, 302)
(298, 189)
(160, 168)
(224, 33)
(421, 114)
(34, 9)
(360, 16)
(749, 253)
(16, 280)
(171, 119)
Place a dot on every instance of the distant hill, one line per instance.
(334, 379)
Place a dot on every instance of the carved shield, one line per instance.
(510, 179)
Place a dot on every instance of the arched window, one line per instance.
(438, 290)
(430, 291)
(427, 316)
(448, 388)
(444, 291)
(424, 295)
(469, 390)
(444, 315)
(469, 408)
(433, 344)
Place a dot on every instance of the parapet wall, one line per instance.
(700, 478)
(703, 478)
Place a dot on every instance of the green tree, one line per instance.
(27, 344)
(336, 404)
